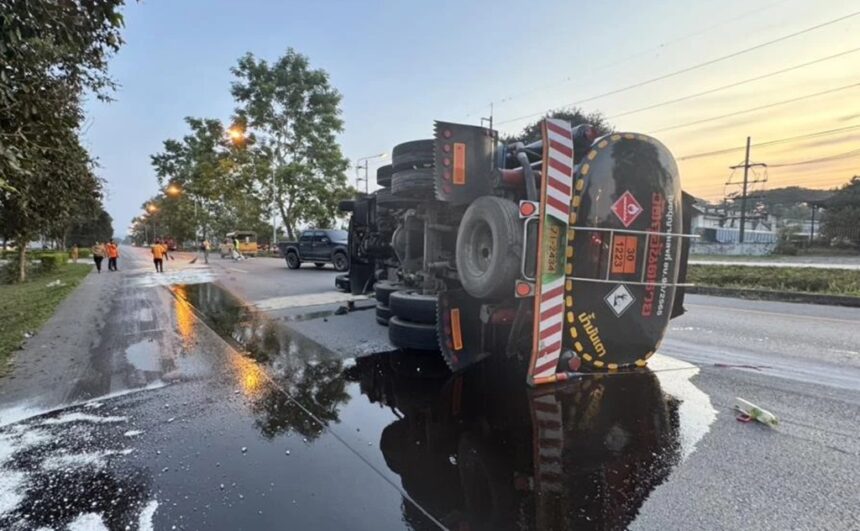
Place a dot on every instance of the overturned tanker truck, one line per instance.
(566, 254)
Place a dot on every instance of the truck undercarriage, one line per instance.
(564, 254)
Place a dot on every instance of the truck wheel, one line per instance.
(293, 261)
(383, 314)
(412, 336)
(414, 307)
(383, 290)
(416, 184)
(383, 176)
(340, 261)
(341, 282)
(385, 199)
(489, 246)
(410, 155)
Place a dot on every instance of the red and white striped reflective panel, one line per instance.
(559, 173)
(550, 327)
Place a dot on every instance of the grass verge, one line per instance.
(790, 279)
(25, 307)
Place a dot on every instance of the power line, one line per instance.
(838, 156)
(694, 67)
(627, 58)
(735, 84)
(771, 142)
(757, 108)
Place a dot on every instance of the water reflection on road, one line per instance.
(476, 450)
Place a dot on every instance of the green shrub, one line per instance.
(53, 261)
(85, 253)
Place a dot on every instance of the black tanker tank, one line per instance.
(625, 250)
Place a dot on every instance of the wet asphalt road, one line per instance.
(198, 411)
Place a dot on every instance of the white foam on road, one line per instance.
(81, 417)
(145, 522)
(312, 299)
(11, 490)
(187, 275)
(88, 522)
(24, 411)
(84, 459)
(696, 412)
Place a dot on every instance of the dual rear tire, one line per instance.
(410, 316)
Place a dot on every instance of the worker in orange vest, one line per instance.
(112, 253)
(158, 252)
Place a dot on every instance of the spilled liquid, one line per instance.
(255, 449)
(479, 449)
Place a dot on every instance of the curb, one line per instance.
(783, 296)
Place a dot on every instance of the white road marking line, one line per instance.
(236, 269)
(312, 299)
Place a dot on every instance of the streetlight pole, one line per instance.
(363, 163)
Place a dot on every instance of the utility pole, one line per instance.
(812, 225)
(744, 196)
(746, 166)
(490, 119)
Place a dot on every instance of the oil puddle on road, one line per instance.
(394, 438)
(477, 449)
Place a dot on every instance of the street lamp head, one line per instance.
(236, 134)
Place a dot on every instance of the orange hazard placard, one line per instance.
(624, 254)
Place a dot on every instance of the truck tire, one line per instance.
(413, 306)
(414, 183)
(489, 247)
(386, 199)
(414, 154)
(383, 290)
(319, 265)
(412, 336)
(383, 314)
(293, 261)
(383, 176)
(340, 261)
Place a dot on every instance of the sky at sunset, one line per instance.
(400, 65)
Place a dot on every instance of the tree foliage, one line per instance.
(217, 185)
(531, 132)
(841, 219)
(295, 112)
(51, 52)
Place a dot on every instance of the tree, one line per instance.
(215, 183)
(840, 222)
(295, 112)
(85, 231)
(532, 133)
(51, 52)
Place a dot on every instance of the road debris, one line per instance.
(750, 412)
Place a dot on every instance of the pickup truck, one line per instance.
(317, 246)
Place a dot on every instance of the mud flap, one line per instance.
(464, 160)
(460, 329)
